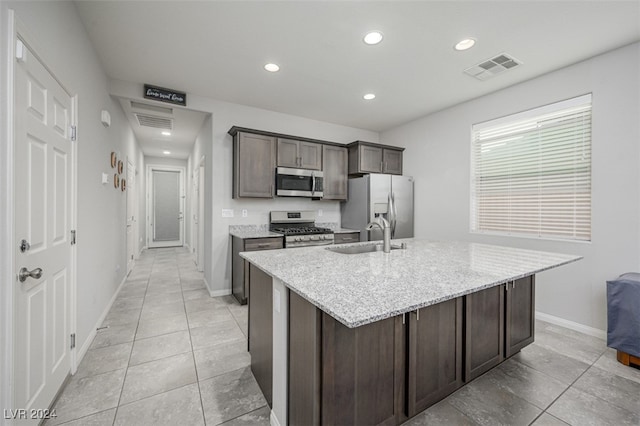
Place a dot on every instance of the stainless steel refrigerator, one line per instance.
(373, 195)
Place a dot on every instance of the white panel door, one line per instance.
(166, 206)
(43, 179)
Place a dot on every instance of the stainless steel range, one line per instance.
(299, 230)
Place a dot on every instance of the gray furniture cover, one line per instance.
(623, 313)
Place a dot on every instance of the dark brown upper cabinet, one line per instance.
(367, 157)
(254, 165)
(334, 168)
(299, 154)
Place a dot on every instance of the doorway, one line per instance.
(166, 206)
(44, 182)
(132, 217)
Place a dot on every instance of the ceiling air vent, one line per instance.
(494, 66)
(154, 121)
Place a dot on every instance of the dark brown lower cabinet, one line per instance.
(261, 330)
(387, 371)
(344, 376)
(519, 314)
(484, 330)
(434, 354)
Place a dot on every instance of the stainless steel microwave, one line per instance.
(298, 182)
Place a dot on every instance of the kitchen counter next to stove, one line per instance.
(252, 231)
(336, 228)
(357, 289)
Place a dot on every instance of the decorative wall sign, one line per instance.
(114, 160)
(165, 95)
(123, 184)
(120, 165)
(116, 180)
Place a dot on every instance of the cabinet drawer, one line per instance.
(348, 237)
(263, 244)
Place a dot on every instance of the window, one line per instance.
(531, 173)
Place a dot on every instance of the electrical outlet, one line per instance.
(227, 212)
(245, 213)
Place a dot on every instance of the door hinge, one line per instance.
(73, 340)
(74, 133)
(73, 237)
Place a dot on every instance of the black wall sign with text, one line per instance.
(165, 95)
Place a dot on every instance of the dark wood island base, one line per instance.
(388, 371)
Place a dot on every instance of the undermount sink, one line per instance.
(369, 248)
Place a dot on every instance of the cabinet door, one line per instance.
(363, 372)
(392, 161)
(484, 325)
(370, 159)
(435, 354)
(520, 315)
(288, 153)
(261, 330)
(334, 160)
(310, 155)
(254, 165)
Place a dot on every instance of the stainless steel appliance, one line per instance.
(299, 229)
(298, 182)
(373, 195)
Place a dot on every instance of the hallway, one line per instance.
(167, 354)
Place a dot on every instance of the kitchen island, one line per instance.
(375, 338)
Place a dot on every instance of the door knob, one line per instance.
(25, 273)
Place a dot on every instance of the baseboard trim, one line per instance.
(591, 331)
(87, 343)
(273, 419)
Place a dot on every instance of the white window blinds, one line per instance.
(531, 173)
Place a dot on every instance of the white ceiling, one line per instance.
(218, 49)
(184, 128)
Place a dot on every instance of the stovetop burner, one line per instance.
(301, 230)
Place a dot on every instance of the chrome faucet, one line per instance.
(383, 224)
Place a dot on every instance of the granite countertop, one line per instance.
(252, 231)
(357, 289)
(335, 227)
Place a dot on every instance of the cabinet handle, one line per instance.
(347, 239)
(262, 245)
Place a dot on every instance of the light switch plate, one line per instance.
(105, 178)
(245, 213)
(227, 212)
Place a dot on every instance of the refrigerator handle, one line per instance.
(392, 214)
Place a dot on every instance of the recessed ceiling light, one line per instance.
(165, 133)
(272, 67)
(373, 37)
(465, 44)
(166, 152)
(369, 96)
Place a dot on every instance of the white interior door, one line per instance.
(166, 207)
(131, 215)
(201, 188)
(43, 217)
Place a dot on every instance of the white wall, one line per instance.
(438, 155)
(62, 43)
(219, 172)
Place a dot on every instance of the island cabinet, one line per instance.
(344, 376)
(334, 168)
(254, 165)
(499, 322)
(519, 314)
(434, 354)
(261, 330)
(299, 154)
(367, 157)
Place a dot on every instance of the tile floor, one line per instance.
(171, 355)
